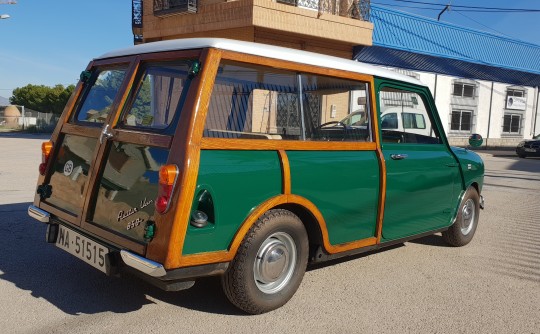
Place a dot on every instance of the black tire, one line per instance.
(522, 156)
(462, 231)
(275, 250)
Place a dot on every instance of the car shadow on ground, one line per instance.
(431, 240)
(74, 287)
(328, 263)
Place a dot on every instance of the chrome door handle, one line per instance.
(398, 156)
(105, 134)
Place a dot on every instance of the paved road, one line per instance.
(490, 286)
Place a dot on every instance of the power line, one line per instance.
(405, 6)
(474, 7)
(485, 26)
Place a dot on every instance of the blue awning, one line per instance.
(417, 43)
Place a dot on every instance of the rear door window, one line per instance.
(99, 95)
(158, 96)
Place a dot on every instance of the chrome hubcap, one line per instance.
(275, 262)
(467, 217)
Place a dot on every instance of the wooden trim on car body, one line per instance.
(166, 247)
(186, 144)
(281, 146)
(225, 256)
(98, 163)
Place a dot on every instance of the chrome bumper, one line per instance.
(142, 264)
(38, 214)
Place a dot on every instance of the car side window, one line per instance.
(405, 118)
(389, 121)
(257, 102)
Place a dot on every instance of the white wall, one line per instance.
(444, 100)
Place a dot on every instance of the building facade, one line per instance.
(331, 27)
(504, 114)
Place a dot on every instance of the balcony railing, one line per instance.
(356, 9)
(166, 7)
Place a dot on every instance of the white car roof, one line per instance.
(264, 50)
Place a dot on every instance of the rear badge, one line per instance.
(68, 168)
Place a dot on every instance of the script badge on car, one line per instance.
(82, 247)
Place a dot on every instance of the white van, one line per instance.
(409, 123)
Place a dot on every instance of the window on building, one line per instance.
(464, 90)
(515, 92)
(461, 120)
(512, 123)
(163, 7)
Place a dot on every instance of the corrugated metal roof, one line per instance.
(414, 42)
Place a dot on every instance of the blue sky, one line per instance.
(51, 42)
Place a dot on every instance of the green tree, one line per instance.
(42, 98)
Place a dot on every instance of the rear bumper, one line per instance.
(38, 214)
(151, 271)
(143, 264)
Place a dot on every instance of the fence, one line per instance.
(31, 121)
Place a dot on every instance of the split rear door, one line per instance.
(103, 177)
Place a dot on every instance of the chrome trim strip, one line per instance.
(145, 265)
(38, 214)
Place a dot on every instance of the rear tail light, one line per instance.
(168, 175)
(46, 149)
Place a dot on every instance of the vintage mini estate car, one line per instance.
(181, 159)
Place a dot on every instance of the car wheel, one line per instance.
(522, 156)
(462, 231)
(269, 265)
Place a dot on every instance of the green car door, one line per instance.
(423, 180)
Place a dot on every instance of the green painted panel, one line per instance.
(421, 191)
(237, 181)
(472, 167)
(344, 185)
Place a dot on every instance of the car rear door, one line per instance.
(110, 150)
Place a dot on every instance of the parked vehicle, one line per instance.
(181, 159)
(529, 148)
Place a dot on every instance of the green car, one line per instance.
(181, 159)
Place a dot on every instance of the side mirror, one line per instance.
(475, 140)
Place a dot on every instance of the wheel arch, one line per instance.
(308, 213)
(311, 224)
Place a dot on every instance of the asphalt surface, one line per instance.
(491, 285)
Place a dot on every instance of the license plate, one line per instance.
(530, 150)
(82, 247)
